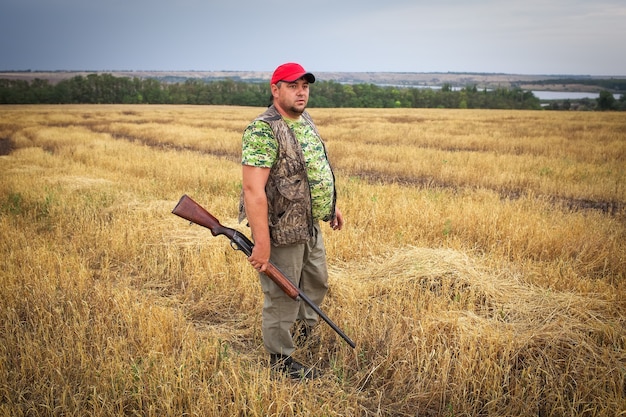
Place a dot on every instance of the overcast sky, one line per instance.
(507, 36)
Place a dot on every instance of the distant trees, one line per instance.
(606, 101)
(107, 89)
(333, 94)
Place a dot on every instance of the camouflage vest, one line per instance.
(287, 188)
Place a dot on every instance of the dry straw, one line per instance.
(481, 269)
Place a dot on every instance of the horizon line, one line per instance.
(321, 72)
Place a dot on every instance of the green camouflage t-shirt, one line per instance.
(260, 149)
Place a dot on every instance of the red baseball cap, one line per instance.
(291, 72)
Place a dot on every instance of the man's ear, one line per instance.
(274, 89)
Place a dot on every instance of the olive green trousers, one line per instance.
(305, 265)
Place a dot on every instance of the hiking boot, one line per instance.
(291, 368)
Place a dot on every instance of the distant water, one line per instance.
(541, 95)
(564, 95)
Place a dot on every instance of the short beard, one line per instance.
(296, 110)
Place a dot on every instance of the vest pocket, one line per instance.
(292, 188)
(289, 211)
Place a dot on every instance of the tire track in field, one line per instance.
(6, 146)
(609, 207)
(169, 146)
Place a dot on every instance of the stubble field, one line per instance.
(481, 270)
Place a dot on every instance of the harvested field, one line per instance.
(481, 270)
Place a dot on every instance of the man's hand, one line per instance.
(260, 256)
(337, 223)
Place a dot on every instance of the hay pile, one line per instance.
(439, 332)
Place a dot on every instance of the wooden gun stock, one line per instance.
(192, 211)
(195, 213)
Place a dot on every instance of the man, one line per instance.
(288, 187)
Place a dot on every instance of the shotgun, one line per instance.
(192, 211)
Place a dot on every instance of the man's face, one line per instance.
(291, 98)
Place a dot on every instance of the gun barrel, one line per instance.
(327, 319)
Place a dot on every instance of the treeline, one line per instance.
(605, 101)
(107, 89)
(333, 94)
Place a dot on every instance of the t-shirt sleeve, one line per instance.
(259, 148)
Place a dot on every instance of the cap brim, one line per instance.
(307, 76)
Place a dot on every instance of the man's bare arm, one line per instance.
(255, 200)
